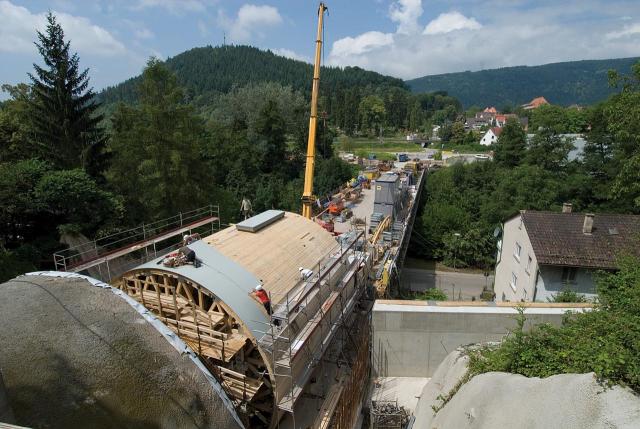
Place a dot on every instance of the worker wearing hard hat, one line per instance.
(263, 297)
(305, 273)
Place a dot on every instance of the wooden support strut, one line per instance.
(207, 327)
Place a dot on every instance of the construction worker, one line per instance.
(305, 273)
(262, 296)
(189, 256)
(245, 207)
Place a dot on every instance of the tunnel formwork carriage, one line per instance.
(212, 309)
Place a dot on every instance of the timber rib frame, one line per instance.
(209, 327)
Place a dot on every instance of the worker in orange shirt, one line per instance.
(262, 296)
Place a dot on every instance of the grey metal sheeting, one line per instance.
(257, 222)
(224, 278)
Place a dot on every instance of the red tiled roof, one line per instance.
(535, 103)
(497, 131)
(557, 238)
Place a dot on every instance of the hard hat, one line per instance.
(259, 287)
(185, 237)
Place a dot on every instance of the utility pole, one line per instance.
(307, 196)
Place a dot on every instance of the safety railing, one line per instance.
(153, 234)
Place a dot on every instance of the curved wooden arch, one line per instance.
(214, 332)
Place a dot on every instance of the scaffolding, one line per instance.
(138, 245)
(306, 320)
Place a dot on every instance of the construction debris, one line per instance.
(388, 415)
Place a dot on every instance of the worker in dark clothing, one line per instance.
(262, 296)
(189, 256)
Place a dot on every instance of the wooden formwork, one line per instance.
(209, 327)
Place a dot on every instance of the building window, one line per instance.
(517, 251)
(569, 274)
(529, 260)
(514, 281)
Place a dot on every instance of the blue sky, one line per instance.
(403, 38)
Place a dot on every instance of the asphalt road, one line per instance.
(458, 286)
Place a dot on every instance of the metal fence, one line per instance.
(138, 245)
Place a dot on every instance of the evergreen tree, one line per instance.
(65, 119)
(512, 145)
(271, 128)
(548, 150)
(157, 163)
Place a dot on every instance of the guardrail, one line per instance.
(104, 249)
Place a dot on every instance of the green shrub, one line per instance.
(567, 295)
(605, 341)
(433, 294)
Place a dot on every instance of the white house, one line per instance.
(544, 253)
(491, 137)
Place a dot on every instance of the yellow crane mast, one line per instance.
(307, 195)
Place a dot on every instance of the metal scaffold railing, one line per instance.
(139, 244)
(306, 319)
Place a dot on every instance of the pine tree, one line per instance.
(512, 145)
(65, 119)
(156, 145)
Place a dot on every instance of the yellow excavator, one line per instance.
(308, 199)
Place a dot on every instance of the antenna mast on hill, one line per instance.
(307, 195)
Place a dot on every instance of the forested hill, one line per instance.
(217, 69)
(575, 82)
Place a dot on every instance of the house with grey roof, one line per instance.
(544, 253)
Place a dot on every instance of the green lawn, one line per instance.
(389, 144)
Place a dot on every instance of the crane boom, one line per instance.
(307, 194)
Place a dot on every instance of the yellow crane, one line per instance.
(307, 195)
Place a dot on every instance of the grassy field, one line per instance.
(389, 144)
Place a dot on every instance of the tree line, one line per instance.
(69, 167)
(353, 100)
(464, 204)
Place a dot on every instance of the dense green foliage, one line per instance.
(165, 151)
(567, 83)
(63, 116)
(603, 341)
(464, 204)
(352, 99)
(209, 70)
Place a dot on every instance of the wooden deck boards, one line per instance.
(275, 253)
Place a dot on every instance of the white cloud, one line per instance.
(250, 22)
(18, 31)
(202, 28)
(173, 6)
(288, 53)
(365, 42)
(406, 13)
(451, 21)
(143, 33)
(495, 36)
(627, 30)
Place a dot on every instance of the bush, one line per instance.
(433, 294)
(605, 341)
(567, 295)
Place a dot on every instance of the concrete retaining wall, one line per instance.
(411, 338)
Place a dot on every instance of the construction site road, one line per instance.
(456, 285)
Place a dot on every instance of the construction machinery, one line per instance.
(307, 195)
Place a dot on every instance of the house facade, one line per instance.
(491, 137)
(544, 253)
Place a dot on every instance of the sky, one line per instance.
(402, 38)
